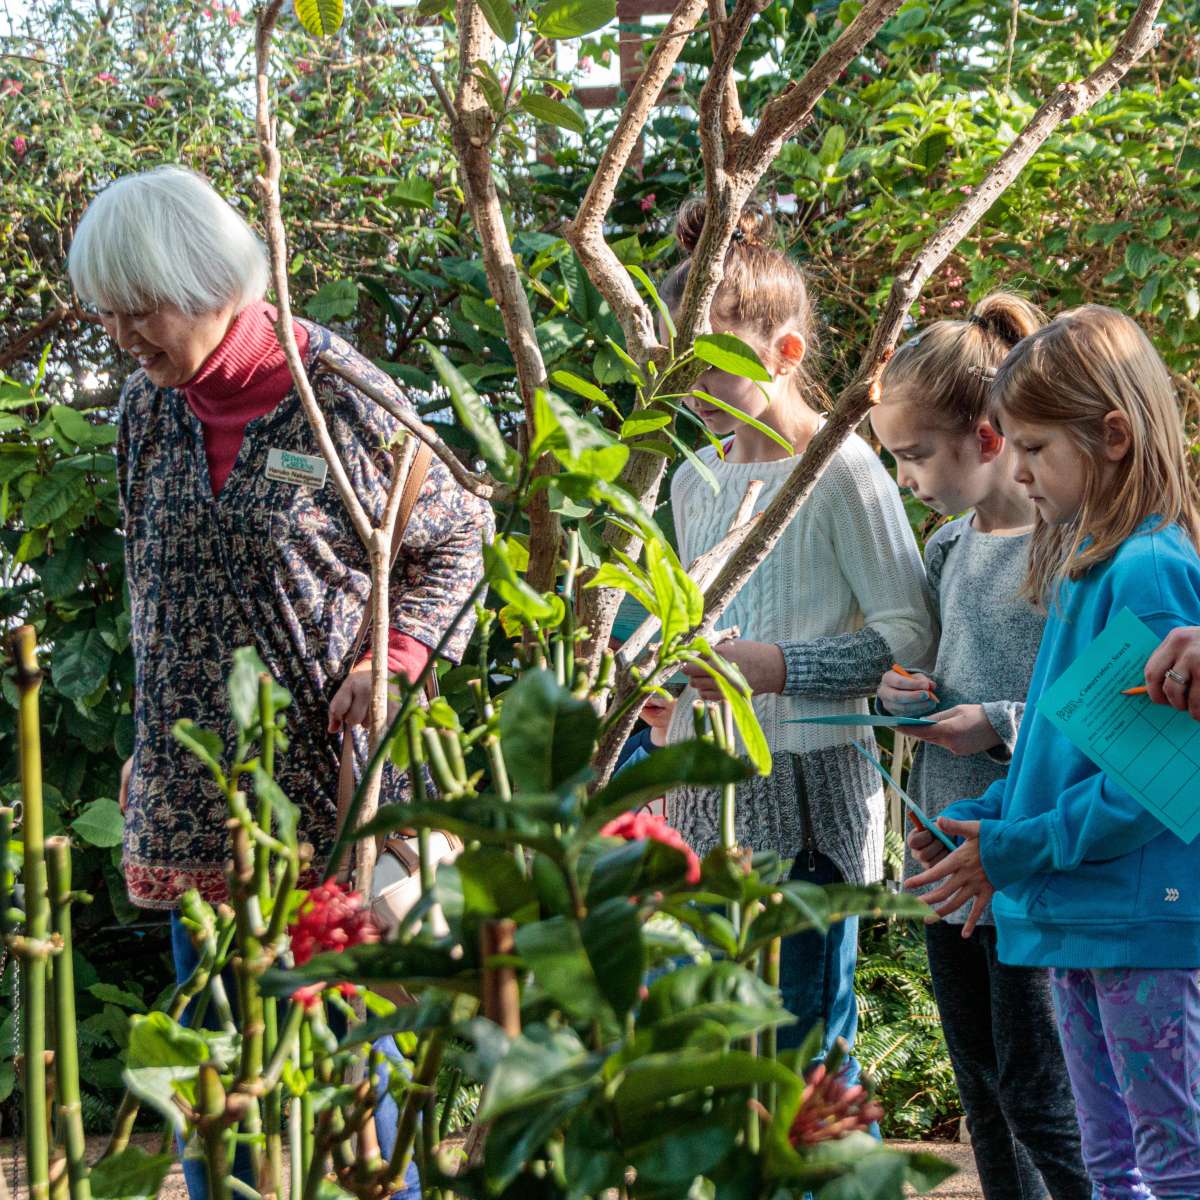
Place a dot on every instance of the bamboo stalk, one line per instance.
(66, 1057)
(29, 950)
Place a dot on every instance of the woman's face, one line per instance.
(169, 344)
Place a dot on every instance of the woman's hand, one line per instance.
(961, 875)
(351, 703)
(123, 794)
(963, 729)
(657, 712)
(760, 662)
(911, 695)
(1179, 652)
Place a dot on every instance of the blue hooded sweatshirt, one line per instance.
(1084, 875)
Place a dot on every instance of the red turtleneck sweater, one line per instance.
(245, 377)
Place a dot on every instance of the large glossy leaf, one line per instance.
(474, 415)
(540, 1064)
(80, 663)
(499, 15)
(101, 823)
(553, 112)
(650, 1080)
(321, 18)
(554, 950)
(51, 497)
(414, 964)
(515, 1136)
(612, 939)
(547, 734)
(493, 886)
(730, 354)
(744, 716)
(243, 686)
(157, 1041)
(696, 762)
(131, 1174)
(573, 18)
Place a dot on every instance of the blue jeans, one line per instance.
(816, 972)
(387, 1115)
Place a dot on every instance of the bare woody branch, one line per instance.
(1069, 100)
(586, 232)
(483, 486)
(722, 138)
(471, 127)
(268, 187)
(855, 401)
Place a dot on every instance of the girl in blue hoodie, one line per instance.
(1087, 881)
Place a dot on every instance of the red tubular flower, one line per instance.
(637, 827)
(19, 146)
(309, 997)
(831, 1108)
(331, 918)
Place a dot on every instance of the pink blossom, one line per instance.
(967, 189)
(11, 87)
(19, 146)
(647, 202)
(606, 57)
(106, 77)
(233, 16)
(154, 100)
(586, 64)
(208, 13)
(956, 303)
(637, 827)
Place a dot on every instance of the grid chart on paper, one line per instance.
(1156, 750)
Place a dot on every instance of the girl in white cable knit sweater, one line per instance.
(840, 598)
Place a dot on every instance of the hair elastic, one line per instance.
(982, 322)
(985, 373)
(739, 235)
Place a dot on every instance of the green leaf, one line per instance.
(694, 762)
(553, 112)
(412, 963)
(286, 815)
(62, 572)
(413, 191)
(746, 419)
(663, 311)
(499, 15)
(336, 300)
(157, 1041)
(51, 498)
(131, 1174)
(547, 734)
(79, 663)
(111, 994)
(644, 421)
(100, 824)
(612, 939)
(493, 886)
(581, 387)
(573, 18)
(832, 146)
(730, 354)
(320, 17)
(243, 687)
(553, 950)
(744, 717)
(1139, 258)
(203, 743)
(160, 1088)
(541, 1064)
(474, 415)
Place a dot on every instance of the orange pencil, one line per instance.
(1137, 691)
(909, 675)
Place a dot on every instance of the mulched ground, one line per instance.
(963, 1186)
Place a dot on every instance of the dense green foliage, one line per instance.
(381, 247)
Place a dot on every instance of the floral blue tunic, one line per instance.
(274, 565)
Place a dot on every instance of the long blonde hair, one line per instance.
(1087, 363)
(946, 369)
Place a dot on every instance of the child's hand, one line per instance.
(926, 849)
(657, 712)
(961, 875)
(911, 695)
(963, 729)
(760, 662)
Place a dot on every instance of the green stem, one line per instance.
(770, 1036)
(66, 1058)
(429, 1061)
(37, 916)
(302, 1152)
(262, 854)
(211, 1099)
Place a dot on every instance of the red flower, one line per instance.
(154, 100)
(647, 202)
(636, 827)
(11, 87)
(309, 997)
(304, 66)
(830, 1108)
(331, 918)
(106, 77)
(233, 16)
(19, 145)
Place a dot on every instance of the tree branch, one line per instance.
(268, 187)
(471, 125)
(586, 232)
(483, 486)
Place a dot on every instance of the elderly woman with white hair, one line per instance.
(224, 549)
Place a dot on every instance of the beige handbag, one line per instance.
(396, 885)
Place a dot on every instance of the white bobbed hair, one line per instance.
(165, 237)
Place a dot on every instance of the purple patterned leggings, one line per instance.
(1132, 1043)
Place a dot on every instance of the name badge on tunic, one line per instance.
(304, 470)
